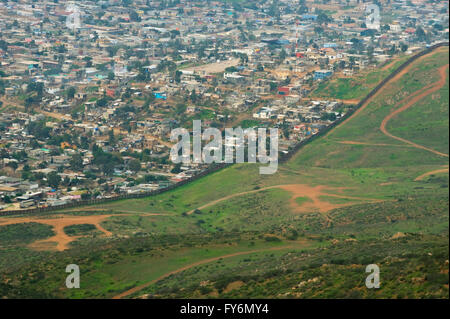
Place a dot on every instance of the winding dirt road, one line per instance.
(198, 263)
(416, 97)
(394, 79)
(437, 171)
(298, 190)
(405, 104)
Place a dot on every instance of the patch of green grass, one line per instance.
(355, 87)
(260, 211)
(81, 230)
(24, 233)
(338, 200)
(138, 225)
(302, 200)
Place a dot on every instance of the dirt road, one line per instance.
(416, 97)
(349, 101)
(297, 190)
(437, 171)
(198, 263)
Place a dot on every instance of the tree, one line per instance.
(273, 86)
(282, 55)
(71, 92)
(53, 179)
(385, 28)
(102, 102)
(13, 165)
(392, 50)
(85, 196)
(323, 18)
(112, 139)
(134, 165)
(370, 51)
(438, 27)
(328, 117)
(108, 168)
(134, 16)
(193, 96)
(181, 108)
(7, 199)
(76, 162)
(420, 34)
(112, 50)
(403, 47)
(178, 76)
(176, 169)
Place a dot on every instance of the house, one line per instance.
(322, 74)
(284, 90)
(263, 113)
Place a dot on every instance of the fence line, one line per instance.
(216, 167)
(211, 169)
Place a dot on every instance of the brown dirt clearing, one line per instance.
(58, 223)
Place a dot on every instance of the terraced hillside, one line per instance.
(372, 190)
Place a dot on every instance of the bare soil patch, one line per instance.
(61, 239)
(298, 190)
(216, 67)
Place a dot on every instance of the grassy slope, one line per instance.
(426, 122)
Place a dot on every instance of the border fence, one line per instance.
(211, 169)
(216, 167)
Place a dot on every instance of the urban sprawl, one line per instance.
(90, 90)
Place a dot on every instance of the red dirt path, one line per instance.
(298, 190)
(417, 96)
(198, 263)
(437, 171)
(395, 78)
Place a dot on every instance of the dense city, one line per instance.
(90, 90)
